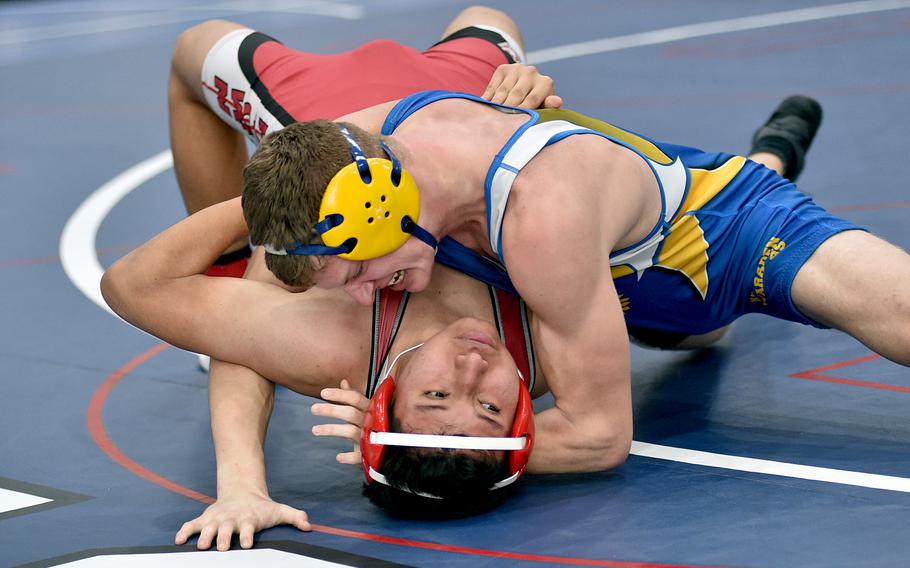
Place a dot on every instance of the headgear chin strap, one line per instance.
(376, 436)
(369, 209)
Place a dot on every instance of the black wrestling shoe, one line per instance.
(789, 132)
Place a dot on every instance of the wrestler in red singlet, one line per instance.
(258, 85)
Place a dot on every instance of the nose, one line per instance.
(471, 366)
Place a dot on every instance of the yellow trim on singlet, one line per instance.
(705, 184)
(685, 248)
(621, 270)
(644, 146)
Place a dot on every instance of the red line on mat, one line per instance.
(95, 420)
(814, 375)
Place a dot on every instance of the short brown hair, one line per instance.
(283, 185)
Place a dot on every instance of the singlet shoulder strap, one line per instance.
(455, 255)
(510, 315)
(521, 148)
(412, 103)
(513, 325)
(388, 310)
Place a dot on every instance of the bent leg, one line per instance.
(483, 16)
(208, 154)
(782, 141)
(856, 282)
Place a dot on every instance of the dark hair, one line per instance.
(283, 185)
(462, 478)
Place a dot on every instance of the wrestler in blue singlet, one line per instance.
(731, 238)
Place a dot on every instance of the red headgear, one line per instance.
(376, 436)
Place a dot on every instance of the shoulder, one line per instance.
(563, 198)
(370, 119)
(568, 209)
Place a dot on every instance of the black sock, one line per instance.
(780, 147)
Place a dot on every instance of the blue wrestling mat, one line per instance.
(784, 446)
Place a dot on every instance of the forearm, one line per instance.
(185, 249)
(240, 402)
(190, 246)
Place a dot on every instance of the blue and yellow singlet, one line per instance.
(731, 236)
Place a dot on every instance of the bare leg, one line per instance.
(208, 154)
(770, 161)
(856, 282)
(483, 16)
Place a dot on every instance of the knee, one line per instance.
(207, 32)
(483, 13)
(485, 16)
(192, 47)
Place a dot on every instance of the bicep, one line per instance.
(298, 339)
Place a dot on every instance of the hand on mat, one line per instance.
(350, 407)
(244, 514)
(520, 85)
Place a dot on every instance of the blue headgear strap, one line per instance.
(409, 226)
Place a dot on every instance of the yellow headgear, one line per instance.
(372, 210)
(369, 209)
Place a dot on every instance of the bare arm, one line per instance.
(241, 404)
(584, 354)
(306, 341)
(300, 340)
(561, 268)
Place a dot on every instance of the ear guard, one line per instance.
(376, 436)
(369, 209)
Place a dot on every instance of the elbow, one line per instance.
(116, 287)
(612, 450)
(616, 456)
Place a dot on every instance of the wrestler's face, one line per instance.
(407, 268)
(463, 381)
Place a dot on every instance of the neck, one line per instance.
(449, 297)
(401, 359)
(448, 147)
(451, 183)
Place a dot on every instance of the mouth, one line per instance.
(478, 337)
(396, 278)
